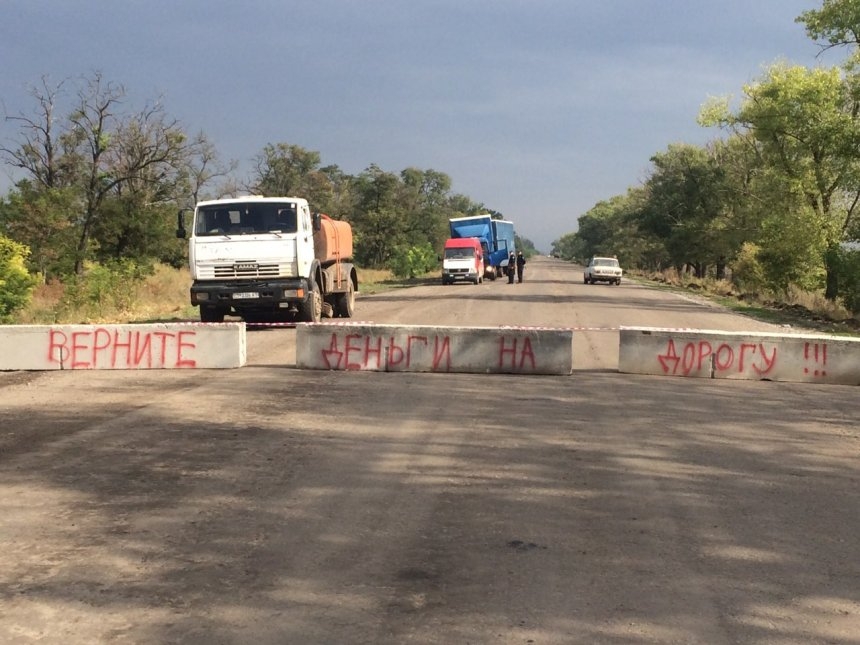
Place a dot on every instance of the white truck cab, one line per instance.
(261, 258)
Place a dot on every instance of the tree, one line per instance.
(39, 150)
(837, 22)
(16, 284)
(569, 247)
(609, 228)
(284, 169)
(99, 152)
(525, 245)
(424, 199)
(205, 167)
(460, 205)
(377, 218)
(805, 122)
(113, 149)
(42, 220)
(684, 201)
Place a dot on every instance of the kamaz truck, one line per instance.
(496, 237)
(268, 259)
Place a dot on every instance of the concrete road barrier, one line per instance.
(803, 358)
(406, 348)
(122, 347)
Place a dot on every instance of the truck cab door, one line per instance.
(305, 242)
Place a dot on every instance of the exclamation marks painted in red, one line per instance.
(818, 354)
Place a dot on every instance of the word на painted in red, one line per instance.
(120, 348)
(356, 352)
(724, 358)
(517, 355)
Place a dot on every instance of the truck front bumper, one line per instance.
(250, 295)
(459, 274)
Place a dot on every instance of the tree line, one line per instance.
(102, 183)
(773, 203)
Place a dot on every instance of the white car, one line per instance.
(602, 270)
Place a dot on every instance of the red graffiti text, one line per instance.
(514, 355)
(699, 356)
(419, 352)
(356, 352)
(120, 349)
(817, 353)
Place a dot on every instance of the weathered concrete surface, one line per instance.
(413, 348)
(800, 358)
(122, 347)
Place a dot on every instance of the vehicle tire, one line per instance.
(211, 315)
(344, 303)
(618, 282)
(584, 280)
(311, 309)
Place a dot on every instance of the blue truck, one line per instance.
(496, 236)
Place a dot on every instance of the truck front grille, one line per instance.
(248, 270)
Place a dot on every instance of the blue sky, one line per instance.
(536, 108)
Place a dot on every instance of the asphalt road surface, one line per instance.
(273, 505)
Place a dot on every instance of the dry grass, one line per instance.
(43, 305)
(796, 306)
(163, 297)
(816, 302)
(377, 280)
(371, 280)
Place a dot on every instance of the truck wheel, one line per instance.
(311, 309)
(211, 315)
(344, 304)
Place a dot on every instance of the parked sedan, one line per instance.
(602, 270)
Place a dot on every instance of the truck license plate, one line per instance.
(242, 295)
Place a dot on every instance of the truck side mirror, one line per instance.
(180, 224)
(316, 221)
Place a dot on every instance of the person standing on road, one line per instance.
(521, 266)
(512, 267)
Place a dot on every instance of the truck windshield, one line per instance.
(455, 254)
(244, 218)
